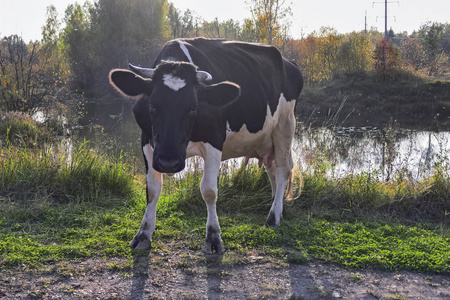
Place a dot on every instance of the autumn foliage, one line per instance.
(326, 54)
(386, 58)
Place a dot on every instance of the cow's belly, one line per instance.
(244, 143)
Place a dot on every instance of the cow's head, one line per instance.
(168, 98)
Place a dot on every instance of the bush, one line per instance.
(20, 130)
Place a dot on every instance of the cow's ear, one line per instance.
(129, 84)
(220, 94)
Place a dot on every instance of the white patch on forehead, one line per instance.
(185, 51)
(173, 82)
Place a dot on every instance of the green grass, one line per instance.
(62, 174)
(55, 207)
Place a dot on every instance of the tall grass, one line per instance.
(242, 189)
(62, 175)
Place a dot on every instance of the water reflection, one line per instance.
(111, 127)
(387, 153)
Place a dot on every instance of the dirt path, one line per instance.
(192, 276)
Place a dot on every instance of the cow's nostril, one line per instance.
(168, 164)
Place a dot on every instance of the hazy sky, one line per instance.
(26, 17)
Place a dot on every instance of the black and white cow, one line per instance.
(216, 99)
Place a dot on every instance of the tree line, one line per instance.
(77, 50)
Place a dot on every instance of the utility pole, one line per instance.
(385, 20)
(365, 24)
(386, 14)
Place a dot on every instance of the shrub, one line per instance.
(387, 58)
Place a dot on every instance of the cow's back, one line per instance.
(260, 70)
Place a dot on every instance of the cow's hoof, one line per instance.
(213, 242)
(140, 242)
(271, 221)
(214, 246)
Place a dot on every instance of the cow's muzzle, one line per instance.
(168, 165)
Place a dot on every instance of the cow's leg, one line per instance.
(273, 180)
(143, 239)
(281, 170)
(208, 188)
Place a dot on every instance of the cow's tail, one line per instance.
(295, 184)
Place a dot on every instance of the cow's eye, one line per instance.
(152, 109)
(193, 111)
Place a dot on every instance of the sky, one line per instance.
(26, 17)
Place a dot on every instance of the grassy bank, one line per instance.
(412, 102)
(341, 222)
(63, 202)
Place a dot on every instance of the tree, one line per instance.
(308, 59)
(111, 33)
(413, 54)
(268, 15)
(31, 75)
(391, 34)
(354, 53)
(231, 29)
(386, 57)
(432, 35)
(77, 44)
(329, 43)
(173, 17)
(50, 31)
(211, 29)
(248, 31)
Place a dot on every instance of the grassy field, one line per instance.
(75, 203)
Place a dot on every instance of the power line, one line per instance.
(386, 14)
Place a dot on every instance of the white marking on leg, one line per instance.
(208, 188)
(282, 137)
(273, 180)
(173, 82)
(282, 177)
(208, 185)
(185, 51)
(154, 187)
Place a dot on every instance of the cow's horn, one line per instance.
(144, 72)
(203, 76)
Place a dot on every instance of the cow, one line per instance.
(216, 99)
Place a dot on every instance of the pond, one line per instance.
(386, 152)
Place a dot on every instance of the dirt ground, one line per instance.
(194, 276)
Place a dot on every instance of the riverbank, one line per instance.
(358, 100)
